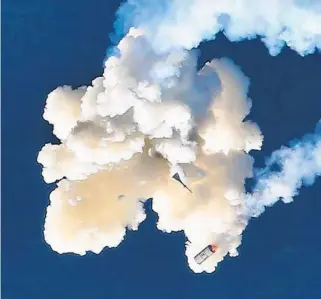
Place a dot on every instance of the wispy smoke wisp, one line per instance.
(299, 164)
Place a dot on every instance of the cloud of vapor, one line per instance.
(179, 24)
(153, 114)
(122, 138)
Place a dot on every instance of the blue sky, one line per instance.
(48, 44)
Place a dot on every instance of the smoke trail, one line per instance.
(153, 114)
(299, 164)
(172, 24)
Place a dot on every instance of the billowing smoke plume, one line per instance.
(151, 115)
(173, 24)
(122, 139)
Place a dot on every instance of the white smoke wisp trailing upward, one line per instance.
(179, 24)
(299, 164)
(149, 116)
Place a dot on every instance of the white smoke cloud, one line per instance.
(153, 114)
(88, 215)
(134, 128)
(63, 110)
(185, 23)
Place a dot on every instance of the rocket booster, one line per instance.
(205, 254)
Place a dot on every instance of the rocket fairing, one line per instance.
(205, 254)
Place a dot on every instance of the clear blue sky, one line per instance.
(50, 43)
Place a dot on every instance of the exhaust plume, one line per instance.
(299, 164)
(153, 114)
(172, 24)
(123, 138)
